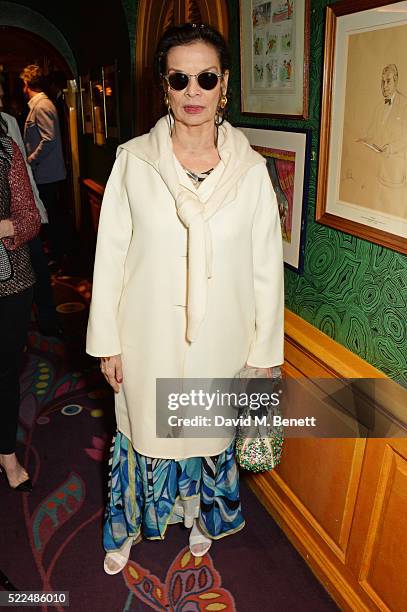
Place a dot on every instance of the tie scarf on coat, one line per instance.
(238, 157)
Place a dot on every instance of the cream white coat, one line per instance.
(140, 288)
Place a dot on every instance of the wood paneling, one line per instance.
(312, 353)
(379, 552)
(341, 502)
(325, 492)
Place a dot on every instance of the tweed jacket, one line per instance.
(17, 204)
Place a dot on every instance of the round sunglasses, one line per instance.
(179, 80)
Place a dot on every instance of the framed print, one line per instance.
(274, 57)
(98, 109)
(287, 158)
(362, 176)
(110, 91)
(86, 104)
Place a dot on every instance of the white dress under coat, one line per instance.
(139, 300)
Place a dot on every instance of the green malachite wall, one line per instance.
(352, 290)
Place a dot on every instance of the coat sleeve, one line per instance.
(24, 214)
(14, 132)
(267, 348)
(113, 240)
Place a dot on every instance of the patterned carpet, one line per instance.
(51, 539)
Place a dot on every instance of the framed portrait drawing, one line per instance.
(98, 108)
(111, 92)
(362, 172)
(274, 57)
(86, 104)
(287, 158)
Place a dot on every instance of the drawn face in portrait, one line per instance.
(389, 84)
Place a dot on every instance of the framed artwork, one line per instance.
(287, 156)
(111, 92)
(86, 104)
(274, 57)
(362, 177)
(98, 109)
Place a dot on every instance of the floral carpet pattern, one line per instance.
(52, 538)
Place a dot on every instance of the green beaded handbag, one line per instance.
(259, 441)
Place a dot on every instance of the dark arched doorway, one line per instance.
(153, 18)
(19, 48)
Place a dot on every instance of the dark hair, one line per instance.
(185, 34)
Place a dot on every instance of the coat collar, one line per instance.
(32, 103)
(155, 148)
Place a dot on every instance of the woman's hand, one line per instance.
(6, 228)
(111, 368)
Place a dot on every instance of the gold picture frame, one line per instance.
(362, 172)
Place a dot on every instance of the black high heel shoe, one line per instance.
(23, 487)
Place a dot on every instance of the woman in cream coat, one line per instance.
(188, 283)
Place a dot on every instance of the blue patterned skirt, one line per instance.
(147, 494)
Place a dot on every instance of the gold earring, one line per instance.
(223, 101)
(169, 112)
(219, 113)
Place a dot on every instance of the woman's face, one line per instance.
(194, 106)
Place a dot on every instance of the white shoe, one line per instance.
(116, 561)
(199, 544)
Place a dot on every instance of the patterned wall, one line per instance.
(352, 290)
